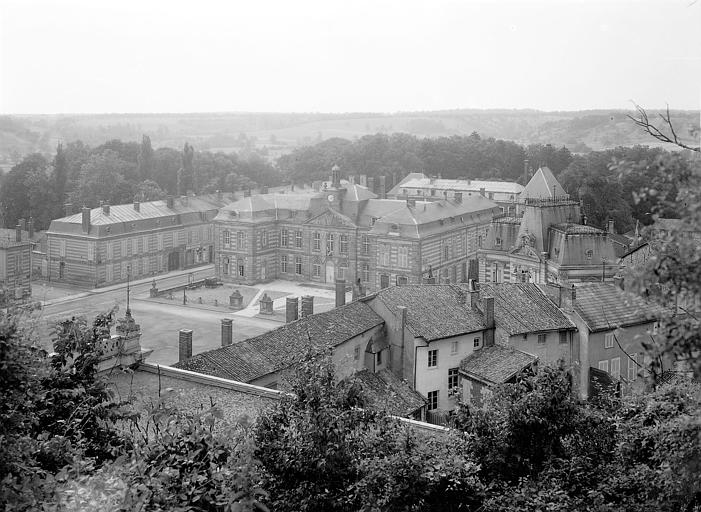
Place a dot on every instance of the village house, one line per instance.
(341, 230)
(15, 264)
(105, 245)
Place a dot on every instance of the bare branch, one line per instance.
(644, 122)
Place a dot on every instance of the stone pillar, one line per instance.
(227, 337)
(236, 300)
(307, 305)
(291, 309)
(184, 345)
(340, 292)
(266, 305)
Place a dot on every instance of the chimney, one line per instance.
(68, 209)
(364, 180)
(458, 197)
(86, 219)
(568, 297)
(525, 171)
(383, 187)
(307, 305)
(482, 191)
(170, 202)
(371, 184)
(411, 202)
(351, 179)
(618, 281)
(137, 206)
(489, 321)
(291, 309)
(18, 233)
(227, 332)
(461, 296)
(183, 200)
(23, 224)
(610, 228)
(184, 345)
(340, 292)
(106, 208)
(474, 299)
(31, 227)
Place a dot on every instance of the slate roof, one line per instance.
(604, 306)
(496, 364)
(433, 311)
(147, 210)
(522, 308)
(505, 187)
(577, 229)
(541, 186)
(397, 188)
(273, 351)
(384, 391)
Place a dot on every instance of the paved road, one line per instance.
(160, 323)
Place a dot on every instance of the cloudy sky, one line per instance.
(356, 55)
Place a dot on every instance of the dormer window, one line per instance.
(497, 242)
(394, 227)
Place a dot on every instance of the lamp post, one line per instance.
(603, 270)
(128, 313)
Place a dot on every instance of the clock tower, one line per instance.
(335, 191)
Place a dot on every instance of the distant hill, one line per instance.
(580, 131)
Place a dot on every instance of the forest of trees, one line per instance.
(119, 172)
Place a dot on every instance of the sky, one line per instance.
(119, 56)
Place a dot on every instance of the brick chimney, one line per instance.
(307, 305)
(610, 227)
(458, 197)
(291, 309)
(170, 202)
(106, 208)
(340, 292)
(184, 345)
(227, 332)
(482, 191)
(86, 219)
(31, 227)
(489, 321)
(68, 209)
(18, 233)
(336, 176)
(383, 187)
(399, 365)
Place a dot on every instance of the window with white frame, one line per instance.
(497, 242)
(226, 239)
(403, 257)
(242, 269)
(563, 337)
(160, 241)
(616, 367)
(109, 250)
(604, 365)
(452, 378)
(432, 400)
(541, 339)
(317, 241)
(343, 245)
(608, 340)
(62, 248)
(432, 358)
(453, 347)
(298, 239)
(476, 343)
(384, 255)
(284, 237)
(298, 265)
(632, 367)
(283, 264)
(91, 251)
(366, 244)
(341, 272)
(316, 270)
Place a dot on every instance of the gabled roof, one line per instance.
(384, 391)
(523, 308)
(274, 351)
(434, 311)
(543, 185)
(397, 188)
(604, 306)
(496, 364)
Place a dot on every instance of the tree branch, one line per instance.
(644, 122)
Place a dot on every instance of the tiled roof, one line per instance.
(543, 185)
(275, 350)
(576, 229)
(386, 392)
(604, 306)
(522, 308)
(433, 311)
(496, 364)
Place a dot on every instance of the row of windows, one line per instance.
(385, 251)
(454, 347)
(238, 241)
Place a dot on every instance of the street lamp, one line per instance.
(128, 289)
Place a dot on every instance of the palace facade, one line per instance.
(341, 230)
